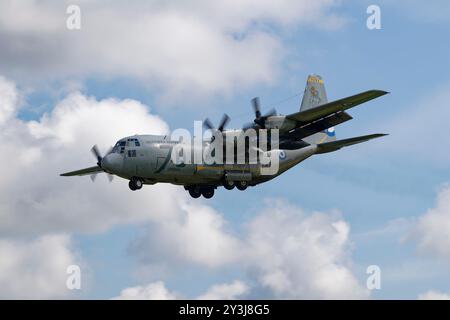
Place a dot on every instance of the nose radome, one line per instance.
(106, 162)
(110, 163)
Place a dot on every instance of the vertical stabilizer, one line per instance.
(315, 93)
(314, 96)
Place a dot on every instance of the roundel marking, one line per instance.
(282, 155)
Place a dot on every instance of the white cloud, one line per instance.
(153, 291)
(157, 291)
(36, 268)
(226, 291)
(296, 255)
(434, 295)
(197, 234)
(10, 98)
(193, 47)
(432, 231)
(286, 252)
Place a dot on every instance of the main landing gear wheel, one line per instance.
(208, 193)
(242, 185)
(195, 193)
(135, 184)
(229, 185)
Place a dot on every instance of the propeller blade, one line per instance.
(110, 177)
(93, 176)
(97, 154)
(223, 122)
(270, 113)
(208, 124)
(256, 107)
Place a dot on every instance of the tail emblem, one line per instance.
(330, 132)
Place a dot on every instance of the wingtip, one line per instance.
(380, 135)
(382, 92)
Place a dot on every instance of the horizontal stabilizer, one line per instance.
(83, 172)
(335, 106)
(336, 145)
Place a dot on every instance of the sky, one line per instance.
(149, 67)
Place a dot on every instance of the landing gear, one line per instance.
(197, 191)
(135, 184)
(242, 185)
(229, 185)
(208, 193)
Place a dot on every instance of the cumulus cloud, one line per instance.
(299, 255)
(158, 291)
(10, 98)
(153, 291)
(434, 295)
(196, 47)
(288, 253)
(36, 268)
(198, 235)
(432, 231)
(226, 291)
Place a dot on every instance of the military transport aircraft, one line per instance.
(146, 159)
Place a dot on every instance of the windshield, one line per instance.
(119, 147)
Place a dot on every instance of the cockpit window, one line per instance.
(133, 142)
(119, 147)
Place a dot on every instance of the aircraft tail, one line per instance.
(316, 95)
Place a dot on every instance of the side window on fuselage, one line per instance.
(122, 146)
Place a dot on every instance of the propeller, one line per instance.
(99, 158)
(97, 155)
(260, 120)
(222, 124)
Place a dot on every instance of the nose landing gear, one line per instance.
(135, 184)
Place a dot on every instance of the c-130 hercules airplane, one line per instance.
(147, 159)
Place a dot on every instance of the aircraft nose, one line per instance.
(107, 163)
(112, 163)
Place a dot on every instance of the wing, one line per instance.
(310, 128)
(83, 172)
(336, 145)
(331, 108)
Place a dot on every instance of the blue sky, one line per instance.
(379, 189)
